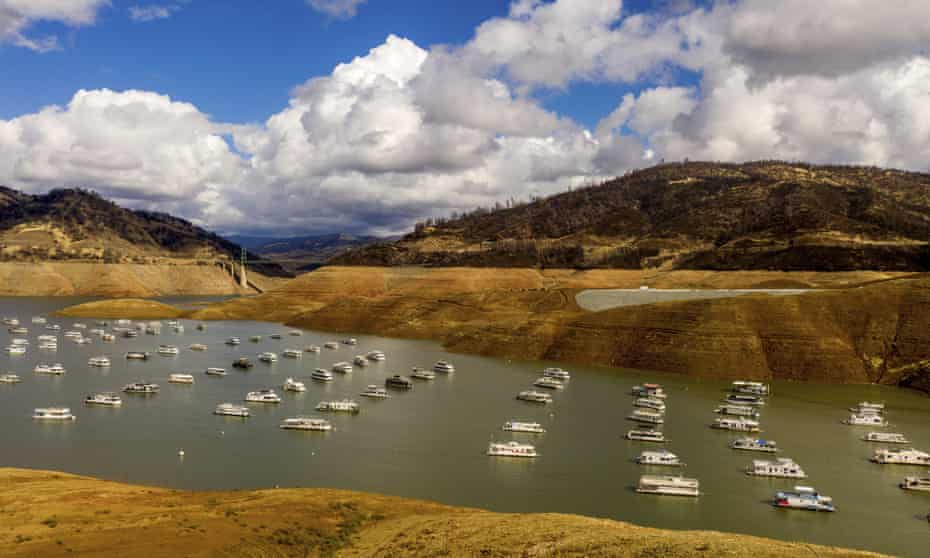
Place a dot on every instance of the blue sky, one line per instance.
(280, 117)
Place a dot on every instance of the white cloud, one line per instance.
(342, 9)
(17, 15)
(152, 12)
(132, 145)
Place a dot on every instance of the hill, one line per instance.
(78, 225)
(760, 215)
(56, 514)
(302, 253)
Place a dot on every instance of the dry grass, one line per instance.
(54, 514)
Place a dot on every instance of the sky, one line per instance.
(314, 116)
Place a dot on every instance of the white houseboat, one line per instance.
(668, 485)
(511, 449)
(783, 468)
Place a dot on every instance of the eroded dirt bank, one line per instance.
(55, 514)
(864, 327)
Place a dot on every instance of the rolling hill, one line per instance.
(79, 225)
(765, 215)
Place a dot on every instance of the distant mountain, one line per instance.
(306, 252)
(760, 215)
(75, 224)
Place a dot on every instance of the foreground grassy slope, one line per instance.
(861, 328)
(53, 514)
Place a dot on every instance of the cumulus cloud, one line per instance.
(152, 12)
(342, 9)
(17, 15)
(132, 145)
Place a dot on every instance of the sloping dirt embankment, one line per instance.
(115, 280)
(55, 514)
(843, 335)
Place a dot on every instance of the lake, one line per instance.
(430, 442)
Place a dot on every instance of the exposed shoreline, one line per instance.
(862, 327)
(59, 514)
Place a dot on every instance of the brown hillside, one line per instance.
(845, 333)
(54, 514)
(763, 215)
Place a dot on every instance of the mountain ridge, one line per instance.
(697, 215)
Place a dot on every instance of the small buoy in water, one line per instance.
(180, 453)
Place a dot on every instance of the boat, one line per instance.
(201, 327)
(54, 369)
(99, 362)
(750, 388)
(292, 353)
(663, 458)
(130, 333)
(53, 413)
(268, 357)
(375, 392)
(198, 347)
(668, 485)
(866, 420)
(242, 363)
(754, 444)
(232, 341)
(141, 387)
(107, 399)
(83, 340)
(322, 375)
(557, 373)
(548, 383)
(97, 332)
(15, 350)
(865, 407)
(917, 484)
(178, 328)
(18, 330)
(422, 374)
(739, 424)
(47, 338)
(108, 338)
(444, 366)
(526, 427)
(167, 350)
(231, 410)
(737, 411)
(214, 371)
(38, 320)
(648, 417)
(511, 449)
(803, 498)
(262, 396)
(73, 334)
(649, 403)
(312, 349)
(398, 382)
(341, 406)
(79, 325)
(275, 336)
(646, 436)
(17, 341)
(255, 338)
(295, 333)
(48, 346)
(291, 384)
(886, 438)
(306, 423)
(782, 468)
(649, 390)
(331, 345)
(901, 457)
(136, 355)
(534, 396)
(10, 379)
(743, 399)
(377, 356)
(53, 327)
(359, 360)
(351, 341)
(342, 367)
(10, 321)
(181, 379)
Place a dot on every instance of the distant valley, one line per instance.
(305, 253)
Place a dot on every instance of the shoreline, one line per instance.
(56, 514)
